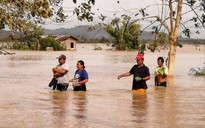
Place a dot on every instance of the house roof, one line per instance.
(65, 37)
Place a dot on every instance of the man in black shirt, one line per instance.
(140, 74)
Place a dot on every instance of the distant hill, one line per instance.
(83, 31)
(79, 30)
(97, 33)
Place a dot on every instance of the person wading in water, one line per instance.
(140, 74)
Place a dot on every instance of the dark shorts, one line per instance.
(62, 87)
(80, 88)
(164, 84)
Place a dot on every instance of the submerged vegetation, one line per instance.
(197, 71)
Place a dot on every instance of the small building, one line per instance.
(69, 41)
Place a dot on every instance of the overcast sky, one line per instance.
(112, 9)
(105, 7)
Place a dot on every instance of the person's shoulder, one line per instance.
(84, 71)
(145, 66)
(66, 65)
(136, 65)
(165, 67)
(157, 67)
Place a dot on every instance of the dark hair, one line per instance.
(82, 63)
(161, 58)
(62, 56)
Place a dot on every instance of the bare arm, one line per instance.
(164, 75)
(146, 78)
(72, 80)
(58, 72)
(124, 75)
(83, 82)
(80, 83)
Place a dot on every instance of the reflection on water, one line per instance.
(68, 108)
(139, 106)
(80, 102)
(164, 102)
(26, 101)
(60, 102)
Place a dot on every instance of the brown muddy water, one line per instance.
(26, 101)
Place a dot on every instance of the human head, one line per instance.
(62, 59)
(140, 58)
(61, 56)
(80, 64)
(160, 61)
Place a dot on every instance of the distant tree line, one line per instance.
(192, 41)
(29, 43)
(84, 39)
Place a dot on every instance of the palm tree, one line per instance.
(124, 33)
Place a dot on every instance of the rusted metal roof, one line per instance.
(63, 38)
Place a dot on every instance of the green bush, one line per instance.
(51, 42)
(18, 45)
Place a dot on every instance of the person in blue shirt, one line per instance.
(80, 78)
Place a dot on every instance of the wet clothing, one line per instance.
(137, 71)
(160, 79)
(62, 87)
(139, 90)
(80, 76)
(164, 84)
(63, 81)
(65, 78)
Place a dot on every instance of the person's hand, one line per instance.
(138, 78)
(75, 83)
(118, 77)
(53, 70)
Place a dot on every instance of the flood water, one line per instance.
(26, 101)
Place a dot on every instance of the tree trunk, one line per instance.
(173, 35)
(37, 45)
(172, 55)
